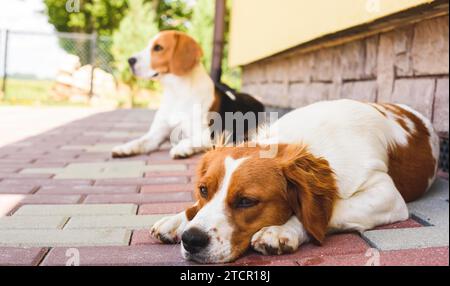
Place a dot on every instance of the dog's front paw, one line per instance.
(128, 149)
(169, 229)
(275, 240)
(182, 150)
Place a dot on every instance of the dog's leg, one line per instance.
(192, 144)
(158, 133)
(379, 202)
(280, 239)
(183, 149)
(170, 228)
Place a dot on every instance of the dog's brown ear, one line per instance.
(192, 211)
(186, 55)
(311, 188)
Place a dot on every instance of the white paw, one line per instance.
(169, 229)
(131, 148)
(274, 240)
(182, 150)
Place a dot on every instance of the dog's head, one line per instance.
(169, 52)
(238, 193)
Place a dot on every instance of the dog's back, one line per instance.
(360, 139)
(230, 102)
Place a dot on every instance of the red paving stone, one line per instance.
(85, 190)
(142, 181)
(26, 176)
(167, 188)
(17, 189)
(186, 173)
(333, 245)
(410, 223)
(412, 257)
(142, 237)
(139, 198)
(163, 208)
(9, 169)
(419, 257)
(49, 199)
(12, 256)
(10, 202)
(155, 254)
(45, 182)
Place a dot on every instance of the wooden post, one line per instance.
(93, 50)
(219, 33)
(5, 61)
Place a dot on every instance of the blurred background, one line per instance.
(56, 52)
(287, 53)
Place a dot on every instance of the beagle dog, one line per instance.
(189, 97)
(339, 166)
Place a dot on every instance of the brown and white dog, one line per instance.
(340, 166)
(189, 97)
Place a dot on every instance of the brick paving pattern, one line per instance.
(61, 190)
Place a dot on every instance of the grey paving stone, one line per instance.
(32, 222)
(407, 238)
(433, 210)
(76, 210)
(104, 170)
(131, 222)
(433, 207)
(54, 238)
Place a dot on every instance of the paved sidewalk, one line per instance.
(63, 197)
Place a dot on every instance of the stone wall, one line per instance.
(407, 65)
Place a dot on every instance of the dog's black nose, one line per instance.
(194, 240)
(132, 61)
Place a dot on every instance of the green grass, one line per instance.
(30, 92)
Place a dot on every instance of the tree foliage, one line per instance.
(133, 34)
(101, 16)
(202, 29)
(104, 16)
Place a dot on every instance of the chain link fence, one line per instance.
(35, 66)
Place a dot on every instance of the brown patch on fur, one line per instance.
(378, 108)
(311, 187)
(292, 183)
(192, 211)
(399, 115)
(260, 179)
(411, 166)
(180, 53)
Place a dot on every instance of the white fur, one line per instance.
(184, 98)
(213, 220)
(170, 228)
(354, 138)
(280, 238)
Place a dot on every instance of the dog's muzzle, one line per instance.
(132, 61)
(194, 240)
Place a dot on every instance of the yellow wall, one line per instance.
(260, 28)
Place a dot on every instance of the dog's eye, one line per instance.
(157, 48)
(203, 191)
(245, 203)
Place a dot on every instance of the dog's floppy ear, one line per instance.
(186, 55)
(311, 188)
